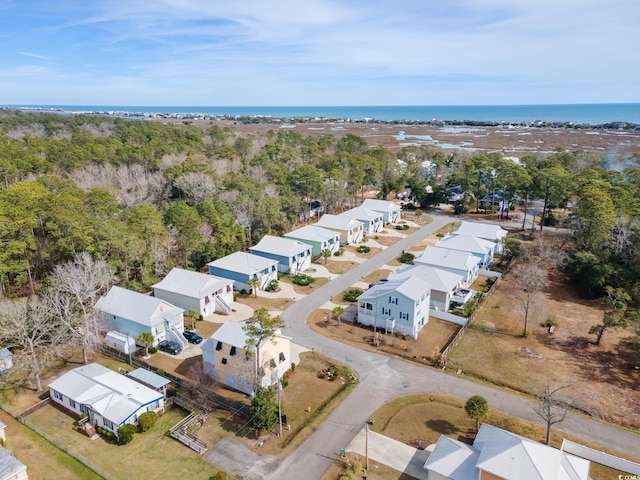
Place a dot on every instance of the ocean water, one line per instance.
(591, 114)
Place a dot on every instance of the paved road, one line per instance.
(383, 378)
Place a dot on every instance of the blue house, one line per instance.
(133, 313)
(292, 255)
(241, 267)
(400, 305)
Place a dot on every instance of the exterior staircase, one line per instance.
(222, 305)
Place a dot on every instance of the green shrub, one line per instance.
(293, 366)
(147, 420)
(153, 350)
(273, 286)
(407, 257)
(302, 280)
(108, 435)
(125, 433)
(363, 249)
(160, 372)
(489, 283)
(338, 252)
(352, 294)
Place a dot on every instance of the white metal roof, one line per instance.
(413, 288)
(362, 213)
(467, 243)
(440, 280)
(191, 284)
(285, 247)
(381, 205)
(149, 378)
(445, 257)
(232, 333)
(9, 465)
(487, 231)
(112, 395)
(137, 307)
(242, 262)
(313, 233)
(339, 222)
(453, 459)
(5, 353)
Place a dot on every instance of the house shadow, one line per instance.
(189, 365)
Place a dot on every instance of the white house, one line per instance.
(400, 305)
(133, 313)
(487, 231)
(350, 229)
(110, 399)
(391, 211)
(498, 454)
(202, 293)
(319, 238)
(372, 221)
(225, 359)
(445, 286)
(482, 249)
(293, 256)
(10, 467)
(241, 267)
(455, 261)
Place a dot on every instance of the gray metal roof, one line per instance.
(147, 377)
(440, 280)
(445, 257)
(381, 205)
(245, 263)
(339, 222)
(285, 247)
(487, 231)
(232, 333)
(313, 233)
(5, 353)
(9, 465)
(136, 307)
(191, 284)
(413, 288)
(467, 243)
(453, 459)
(363, 213)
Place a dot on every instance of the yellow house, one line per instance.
(225, 359)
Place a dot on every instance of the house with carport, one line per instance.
(293, 256)
(446, 287)
(392, 212)
(499, 454)
(350, 229)
(202, 293)
(372, 221)
(109, 399)
(317, 237)
(454, 261)
(400, 305)
(226, 359)
(487, 231)
(133, 313)
(482, 249)
(242, 267)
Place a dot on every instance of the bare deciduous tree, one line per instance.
(530, 279)
(551, 408)
(196, 186)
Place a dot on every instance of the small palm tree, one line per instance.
(337, 312)
(145, 338)
(477, 408)
(254, 283)
(325, 253)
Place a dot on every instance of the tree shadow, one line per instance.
(444, 427)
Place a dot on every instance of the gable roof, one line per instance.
(148, 378)
(412, 288)
(467, 243)
(339, 222)
(137, 307)
(487, 231)
(381, 205)
(112, 395)
(362, 213)
(313, 233)
(9, 465)
(286, 247)
(232, 333)
(447, 258)
(191, 284)
(453, 459)
(440, 280)
(242, 262)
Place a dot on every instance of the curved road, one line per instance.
(383, 378)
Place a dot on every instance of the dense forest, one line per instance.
(146, 196)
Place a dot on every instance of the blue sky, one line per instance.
(319, 52)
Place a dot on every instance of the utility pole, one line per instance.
(366, 446)
(279, 407)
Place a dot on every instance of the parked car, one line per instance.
(192, 337)
(173, 348)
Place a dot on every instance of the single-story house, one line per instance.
(293, 256)
(482, 249)
(110, 399)
(350, 229)
(225, 358)
(150, 379)
(455, 261)
(499, 454)
(486, 231)
(372, 221)
(241, 267)
(133, 313)
(445, 285)
(391, 211)
(319, 238)
(202, 293)
(6, 360)
(10, 467)
(400, 305)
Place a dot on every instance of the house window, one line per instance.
(281, 357)
(393, 300)
(404, 316)
(107, 423)
(232, 352)
(207, 300)
(72, 404)
(386, 311)
(84, 409)
(223, 361)
(154, 406)
(272, 363)
(368, 306)
(58, 395)
(219, 345)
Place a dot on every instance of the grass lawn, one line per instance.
(338, 267)
(277, 304)
(376, 275)
(305, 290)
